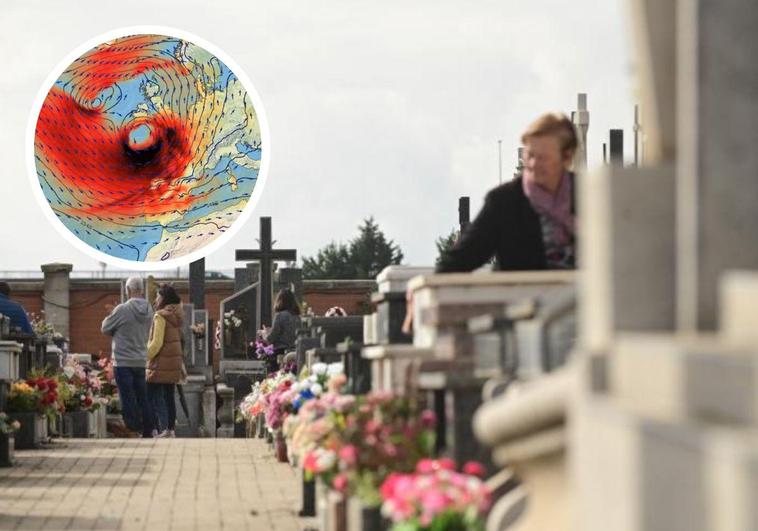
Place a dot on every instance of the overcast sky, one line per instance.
(386, 108)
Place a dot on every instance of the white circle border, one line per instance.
(206, 249)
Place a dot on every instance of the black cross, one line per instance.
(266, 255)
(197, 284)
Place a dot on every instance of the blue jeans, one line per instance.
(164, 407)
(133, 394)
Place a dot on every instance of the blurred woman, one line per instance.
(165, 359)
(283, 331)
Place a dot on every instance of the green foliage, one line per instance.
(445, 243)
(363, 257)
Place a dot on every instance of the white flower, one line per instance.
(69, 371)
(326, 460)
(334, 369)
(319, 368)
(317, 389)
(82, 397)
(312, 378)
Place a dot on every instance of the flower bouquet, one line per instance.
(81, 388)
(81, 397)
(8, 427)
(322, 378)
(264, 351)
(31, 403)
(108, 387)
(353, 449)
(435, 496)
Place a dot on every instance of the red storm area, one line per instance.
(113, 174)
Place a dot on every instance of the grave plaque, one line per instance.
(240, 323)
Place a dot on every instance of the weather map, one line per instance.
(147, 148)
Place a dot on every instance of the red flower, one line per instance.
(87, 401)
(473, 468)
(41, 384)
(52, 384)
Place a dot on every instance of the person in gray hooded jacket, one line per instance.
(129, 325)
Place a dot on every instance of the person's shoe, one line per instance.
(162, 435)
(172, 434)
(155, 433)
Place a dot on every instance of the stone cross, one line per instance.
(464, 215)
(617, 146)
(266, 255)
(197, 284)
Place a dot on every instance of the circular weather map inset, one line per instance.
(147, 149)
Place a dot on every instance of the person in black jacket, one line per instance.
(527, 223)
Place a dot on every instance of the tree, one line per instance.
(445, 243)
(363, 257)
(370, 252)
(333, 261)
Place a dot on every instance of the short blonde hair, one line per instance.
(553, 124)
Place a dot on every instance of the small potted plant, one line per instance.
(8, 427)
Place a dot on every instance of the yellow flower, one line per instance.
(21, 388)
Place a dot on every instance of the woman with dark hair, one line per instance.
(286, 322)
(165, 359)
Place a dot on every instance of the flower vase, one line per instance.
(78, 424)
(55, 425)
(281, 449)
(33, 431)
(261, 426)
(7, 445)
(365, 517)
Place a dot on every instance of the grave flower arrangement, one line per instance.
(322, 378)
(35, 395)
(108, 387)
(40, 327)
(378, 434)
(7, 425)
(80, 388)
(436, 496)
(311, 431)
(278, 405)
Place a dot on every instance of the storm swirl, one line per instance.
(147, 147)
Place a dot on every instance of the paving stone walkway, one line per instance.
(201, 484)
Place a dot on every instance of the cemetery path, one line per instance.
(150, 484)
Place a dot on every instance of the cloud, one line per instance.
(391, 109)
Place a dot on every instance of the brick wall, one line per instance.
(88, 299)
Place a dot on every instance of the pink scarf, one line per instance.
(557, 207)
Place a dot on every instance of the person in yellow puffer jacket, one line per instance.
(165, 359)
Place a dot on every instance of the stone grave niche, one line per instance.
(443, 307)
(390, 302)
(526, 338)
(238, 368)
(331, 331)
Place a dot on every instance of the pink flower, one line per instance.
(428, 419)
(425, 466)
(349, 455)
(473, 468)
(340, 483)
(446, 464)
